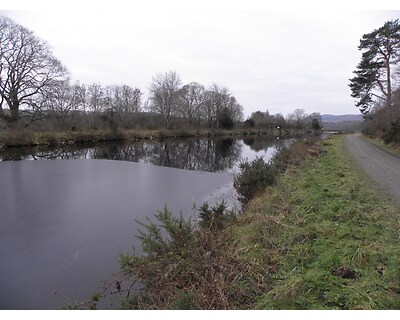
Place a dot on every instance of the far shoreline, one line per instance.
(10, 139)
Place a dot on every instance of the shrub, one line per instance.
(393, 134)
(214, 217)
(179, 234)
(254, 177)
(189, 268)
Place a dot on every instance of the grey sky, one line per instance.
(278, 60)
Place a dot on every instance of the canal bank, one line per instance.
(20, 138)
(322, 238)
(336, 235)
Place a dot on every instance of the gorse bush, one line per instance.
(187, 267)
(214, 217)
(254, 177)
(172, 234)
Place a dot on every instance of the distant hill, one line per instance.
(343, 122)
(341, 118)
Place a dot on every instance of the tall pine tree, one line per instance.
(380, 51)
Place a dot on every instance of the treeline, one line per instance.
(170, 105)
(36, 92)
(376, 82)
(298, 119)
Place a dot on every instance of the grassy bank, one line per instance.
(331, 241)
(25, 138)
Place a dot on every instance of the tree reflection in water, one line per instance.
(212, 155)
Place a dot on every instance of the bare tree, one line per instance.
(164, 95)
(80, 93)
(220, 103)
(126, 99)
(28, 71)
(126, 103)
(297, 118)
(220, 99)
(61, 102)
(96, 97)
(192, 99)
(208, 111)
(235, 109)
(214, 104)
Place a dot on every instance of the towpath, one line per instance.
(381, 166)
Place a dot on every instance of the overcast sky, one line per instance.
(278, 60)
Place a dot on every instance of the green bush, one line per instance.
(187, 266)
(254, 177)
(179, 234)
(214, 217)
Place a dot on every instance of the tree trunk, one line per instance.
(389, 85)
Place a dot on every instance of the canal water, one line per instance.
(65, 221)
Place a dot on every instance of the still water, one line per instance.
(211, 155)
(64, 222)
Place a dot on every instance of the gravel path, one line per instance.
(381, 166)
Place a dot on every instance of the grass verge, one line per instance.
(392, 148)
(334, 240)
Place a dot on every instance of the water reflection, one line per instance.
(256, 144)
(212, 155)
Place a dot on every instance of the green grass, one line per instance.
(325, 214)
